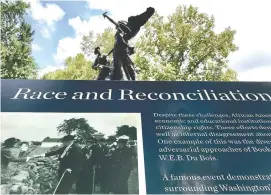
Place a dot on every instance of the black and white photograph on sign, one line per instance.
(71, 153)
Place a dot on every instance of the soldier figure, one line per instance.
(102, 63)
(70, 157)
(92, 173)
(122, 159)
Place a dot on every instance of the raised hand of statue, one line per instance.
(104, 14)
(151, 10)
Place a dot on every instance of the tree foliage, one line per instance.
(16, 39)
(76, 68)
(112, 138)
(87, 44)
(78, 127)
(10, 142)
(185, 47)
(103, 40)
(131, 132)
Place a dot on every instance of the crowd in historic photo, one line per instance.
(83, 161)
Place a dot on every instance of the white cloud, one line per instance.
(94, 23)
(47, 69)
(256, 74)
(69, 46)
(47, 16)
(36, 47)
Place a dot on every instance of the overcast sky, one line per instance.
(59, 26)
(37, 126)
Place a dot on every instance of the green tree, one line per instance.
(185, 47)
(112, 138)
(77, 126)
(76, 68)
(87, 44)
(131, 132)
(16, 39)
(10, 142)
(104, 40)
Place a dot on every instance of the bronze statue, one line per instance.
(123, 67)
